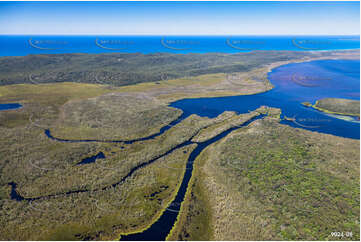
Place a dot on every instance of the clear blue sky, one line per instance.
(181, 18)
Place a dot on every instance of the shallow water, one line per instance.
(317, 79)
(294, 84)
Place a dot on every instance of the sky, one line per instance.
(180, 18)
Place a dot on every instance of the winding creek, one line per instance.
(9, 106)
(152, 136)
(161, 228)
(294, 84)
(18, 197)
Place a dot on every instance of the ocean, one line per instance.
(21, 45)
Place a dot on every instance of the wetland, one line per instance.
(116, 159)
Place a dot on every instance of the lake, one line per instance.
(294, 83)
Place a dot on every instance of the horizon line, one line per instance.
(164, 35)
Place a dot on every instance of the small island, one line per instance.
(307, 104)
(338, 106)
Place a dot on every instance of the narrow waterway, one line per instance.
(294, 84)
(152, 136)
(9, 106)
(14, 195)
(161, 228)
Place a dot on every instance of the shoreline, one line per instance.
(326, 111)
(265, 70)
(270, 68)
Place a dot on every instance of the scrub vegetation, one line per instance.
(125, 69)
(262, 181)
(272, 182)
(339, 106)
(45, 192)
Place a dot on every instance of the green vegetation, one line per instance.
(338, 106)
(97, 214)
(265, 181)
(125, 69)
(115, 116)
(118, 69)
(42, 101)
(222, 125)
(273, 182)
(193, 222)
(89, 201)
(42, 167)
